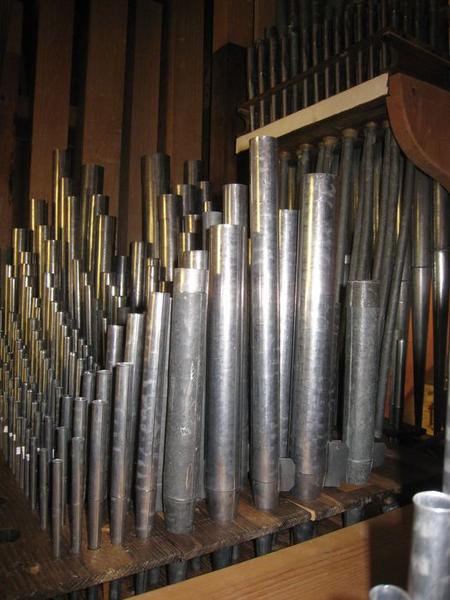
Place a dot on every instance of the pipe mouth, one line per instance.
(388, 592)
(433, 501)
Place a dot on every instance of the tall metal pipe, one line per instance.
(186, 383)
(429, 568)
(441, 288)
(57, 485)
(287, 266)
(120, 450)
(134, 350)
(224, 371)
(264, 322)
(361, 374)
(114, 346)
(77, 490)
(169, 227)
(421, 274)
(152, 402)
(236, 212)
(155, 181)
(313, 333)
(387, 332)
(96, 494)
(210, 218)
(192, 171)
(139, 253)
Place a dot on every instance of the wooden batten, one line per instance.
(141, 112)
(51, 105)
(104, 89)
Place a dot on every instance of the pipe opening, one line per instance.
(436, 501)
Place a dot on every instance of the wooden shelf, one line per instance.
(28, 569)
(342, 564)
(350, 108)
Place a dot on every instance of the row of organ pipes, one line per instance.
(261, 344)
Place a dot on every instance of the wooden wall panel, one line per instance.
(104, 87)
(9, 89)
(265, 15)
(142, 106)
(51, 104)
(183, 94)
(233, 23)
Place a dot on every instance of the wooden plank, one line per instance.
(342, 564)
(183, 106)
(265, 15)
(142, 106)
(228, 91)
(419, 114)
(9, 88)
(27, 567)
(233, 23)
(51, 106)
(103, 98)
(341, 110)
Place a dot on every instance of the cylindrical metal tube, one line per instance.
(192, 171)
(120, 449)
(388, 592)
(210, 218)
(134, 350)
(57, 484)
(43, 487)
(114, 346)
(155, 181)
(98, 460)
(169, 227)
(151, 406)
(186, 385)
(77, 490)
(429, 567)
(264, 322)
(421, 274)
(139, 252)
(224, 371)
(313, 334)
(287, 265)
(98, 204)
(360, 378)
(105, 242)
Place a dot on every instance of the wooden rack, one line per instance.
(28, 569)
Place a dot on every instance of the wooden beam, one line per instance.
(183, 119)
(228, 91)
(9, 88)
(141, 110)
(104, 87)
(265, 15)
(419, 114)
(342, 564)
(51, 105)
(233, 23)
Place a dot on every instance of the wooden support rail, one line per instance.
(28, 569)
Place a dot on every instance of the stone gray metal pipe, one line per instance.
(224, 372)
(169, 227)
(429, 567)
(264, 339)
(361, 374)
(186, 384)
(120, 450)
(98, 459)
(155, 180)
(313, 334)
(154, 375)
(287, 266)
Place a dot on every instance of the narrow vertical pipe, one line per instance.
(155, 180)
(313, 333)
(77, 490)
(224, 371)
(264, 322)
(361, 362)
(96, 494)
(287, 267)
(169, 227)
(421, 274)
(152, 402)
(429, 570)
(57, 484)
(186, 383)
(120, 450)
